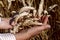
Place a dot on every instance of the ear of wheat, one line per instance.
(28, 20)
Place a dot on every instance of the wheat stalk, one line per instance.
(10, 2)
(40, 10)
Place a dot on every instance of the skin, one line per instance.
(24, 35)
(4, 24)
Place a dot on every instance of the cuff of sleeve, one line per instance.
(7, 36)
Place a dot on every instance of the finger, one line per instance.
(5, 27)
(42, 18)
(46, 19)
(13, 23)
(43, 27)
(8, 27)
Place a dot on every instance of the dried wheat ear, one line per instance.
(25, 18)
(28, 16)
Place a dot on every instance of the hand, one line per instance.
(4, 24)
(23, 35)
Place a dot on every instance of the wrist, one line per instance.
(17, 37)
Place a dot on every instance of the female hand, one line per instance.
(4, 24)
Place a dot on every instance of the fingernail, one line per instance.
(48, 26)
